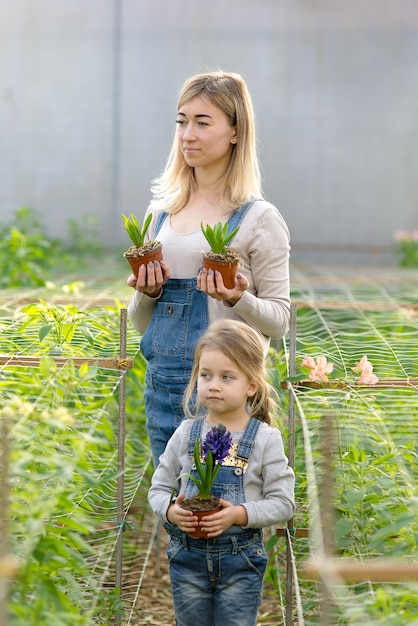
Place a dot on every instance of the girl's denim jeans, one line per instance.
(216, 582)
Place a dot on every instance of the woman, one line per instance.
(212, 174)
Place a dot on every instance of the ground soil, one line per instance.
(196, 503)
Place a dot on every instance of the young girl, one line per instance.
(212, 175)
(218, 581)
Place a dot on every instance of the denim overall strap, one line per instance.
(246, 443)
(238, 215)
(194, 434)
(160, 222)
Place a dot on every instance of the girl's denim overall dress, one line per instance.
(218, 582)
(179, 319)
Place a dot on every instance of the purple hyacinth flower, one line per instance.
(218, 441)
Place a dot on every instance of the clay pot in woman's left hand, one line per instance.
(142, 256)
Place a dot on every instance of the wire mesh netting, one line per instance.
(64, 460)
(369, 509)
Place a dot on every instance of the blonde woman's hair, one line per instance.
(241, 181)
(242, 345)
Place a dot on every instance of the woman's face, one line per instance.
(205, 135)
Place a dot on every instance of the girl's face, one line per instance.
(205, 135)
(222, 387)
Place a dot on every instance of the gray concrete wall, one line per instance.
(88, 91)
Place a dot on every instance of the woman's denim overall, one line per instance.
(218, 582)
(168, 344)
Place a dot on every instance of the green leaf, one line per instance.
(354, 496)
(67, 331)
(196, 481)
(47, 366)
(86, 332)
(84, 368)
(208, 479)
(134, 230)
(217, 236)
(343, 527)
(198, 463)
(44, 330)
(30, 309)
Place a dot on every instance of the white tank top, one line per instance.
(182, 251)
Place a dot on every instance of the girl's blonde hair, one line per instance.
(241, 181)
(242, 345)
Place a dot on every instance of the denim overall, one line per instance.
(180, 317)
(218, 582)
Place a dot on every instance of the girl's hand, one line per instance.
(211, 282)
(185, 520)
(219, 522)
(150, 278)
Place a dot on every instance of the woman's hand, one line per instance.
(150, 278)
(211, 282)
(185, 520)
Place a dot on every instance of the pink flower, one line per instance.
(401, 235)
(359, 367)
(319, 368)
(406, 235)
(365, 369)
(308, 362)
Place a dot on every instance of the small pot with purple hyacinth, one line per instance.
(213, 452)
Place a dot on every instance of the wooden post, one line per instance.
(327, 509)
(374, 570)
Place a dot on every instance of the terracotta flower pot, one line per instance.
(228, 270)
(199, 533)
(201, 508)
(136, 259)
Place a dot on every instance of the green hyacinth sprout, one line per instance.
(217, 237)
(134, 230)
